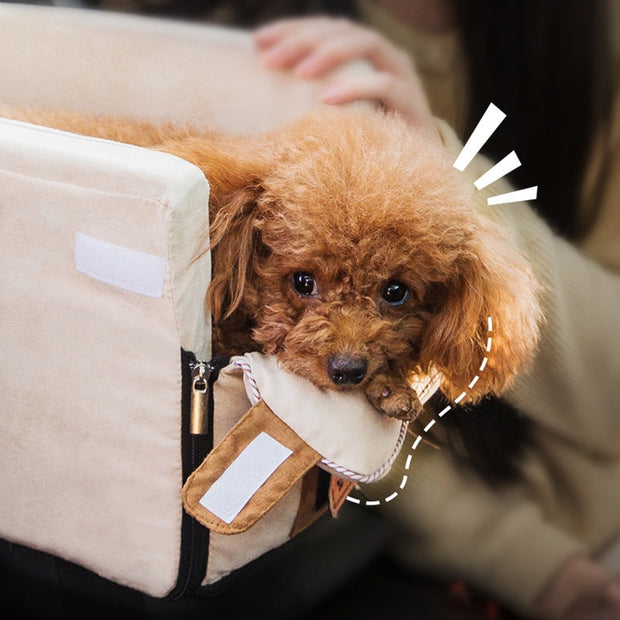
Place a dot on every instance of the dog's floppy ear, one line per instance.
(485, 326)
(235, 242)
(234, 166)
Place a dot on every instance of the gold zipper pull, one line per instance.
(199, 416)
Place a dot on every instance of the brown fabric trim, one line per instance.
(258, 419)
(339, 489)
(308, 511)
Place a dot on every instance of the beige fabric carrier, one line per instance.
(103, 327)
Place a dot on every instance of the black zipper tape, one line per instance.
(194, 449)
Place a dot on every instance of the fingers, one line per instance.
(405, 97)
(602, 603)
(286, 43)
(333, 52)
(354, 45)
(288, 51)
(382, 87)
(314, 46)
(311, 47)
(269, 34)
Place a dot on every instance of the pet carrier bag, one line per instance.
(109, 394)
(110, 400)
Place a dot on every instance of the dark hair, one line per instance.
(490, 438)
(547, 64)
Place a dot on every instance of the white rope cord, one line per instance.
(327, 464)
(377, 474)
(247, 370)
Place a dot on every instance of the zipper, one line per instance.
(199, 414)
(198, 377)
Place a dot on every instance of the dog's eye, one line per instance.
(304, 283)
(395, 293)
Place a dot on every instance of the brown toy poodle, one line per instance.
(350, 248)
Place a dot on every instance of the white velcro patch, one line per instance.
(130, 270)
(244, 476)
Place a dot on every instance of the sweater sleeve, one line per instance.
(450, 523)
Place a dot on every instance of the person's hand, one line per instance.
(580, 590)
(602, 604)
(312, 46)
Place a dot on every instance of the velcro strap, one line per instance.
(253, 466)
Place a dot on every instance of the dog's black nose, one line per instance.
(347, 369)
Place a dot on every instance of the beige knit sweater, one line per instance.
(512, 541)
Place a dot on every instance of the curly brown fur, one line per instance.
(342, 204)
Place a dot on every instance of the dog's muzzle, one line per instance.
(347, 369)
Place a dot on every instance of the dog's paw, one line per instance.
(395, 399)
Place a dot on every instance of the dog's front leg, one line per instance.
(392, 394)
